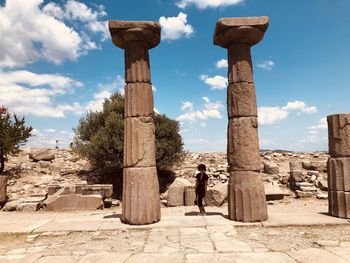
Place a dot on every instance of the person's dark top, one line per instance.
(201, 183)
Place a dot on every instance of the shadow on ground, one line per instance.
(193, 213)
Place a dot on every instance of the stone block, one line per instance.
(339, 174)
(105, 190)
(240, 68)
(138, 100)
(339, 204)
(74, 202)
(137, 67)
(243, 145)
(217, 195)
(270, 167)
(248, 30)
(176, 195)
(141, 202)
(3, 189)
(339, 135)
(315, 166)
(246, 196)
(124, 32)
(139, 142)
(190, 195)
(42, 155)
(28, 206)
(241, 100)
(273, 192)
(295, 166)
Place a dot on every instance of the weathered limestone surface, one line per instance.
(241, 100)
(190, 195)
(138, 100)
(247, 200)
(295, 166)
(139, 142)
(137, 68)
(339, 135)
(74, 202)
(176, 195)
(3, 189)
(339, 174)
(141, 204)
(176, 192)
(240, 68)
(240, 30)
(124, 32)
(243, 144)
(339, 203)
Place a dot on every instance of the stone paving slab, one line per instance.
(15, 222)
(316, 255)
(270, 257)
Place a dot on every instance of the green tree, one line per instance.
(100, 136)
(13, 134)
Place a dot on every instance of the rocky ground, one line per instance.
(33, 170)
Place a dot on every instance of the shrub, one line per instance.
(100, 136)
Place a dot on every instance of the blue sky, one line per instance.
(57, 61)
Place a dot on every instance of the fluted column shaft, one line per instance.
(141, 204)
(247, 201)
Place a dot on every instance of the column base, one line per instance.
(339, 204)
(246, 197)
(141, 203)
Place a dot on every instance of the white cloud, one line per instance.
(175, 27)
(203, 4)
(30, 31)
(222, 63)
(271, 115)
(24, 92)
(47, 138)
(106, 90)
(216, 82)
(210, 110)
(301, 106)
(322, 124)
(267, 65)
(187, 105)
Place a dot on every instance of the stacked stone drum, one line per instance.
(247, 201)
(141, 204)
(339, 165)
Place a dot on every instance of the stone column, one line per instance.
(141, 203)
(247, 201)
(339, 165)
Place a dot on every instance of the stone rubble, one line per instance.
(27, 182)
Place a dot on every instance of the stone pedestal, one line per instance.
(141, 204)
(339, 165)
(246, 196)
(247, 201)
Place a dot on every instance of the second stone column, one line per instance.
(141, 203)
(247, 201)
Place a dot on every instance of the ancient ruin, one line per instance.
(339, 165)
(247, 201)
(141, 203)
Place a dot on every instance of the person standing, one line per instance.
(201, 187)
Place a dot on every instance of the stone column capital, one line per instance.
(125, 32)
(240, 30)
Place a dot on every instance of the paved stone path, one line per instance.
(181, 236)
